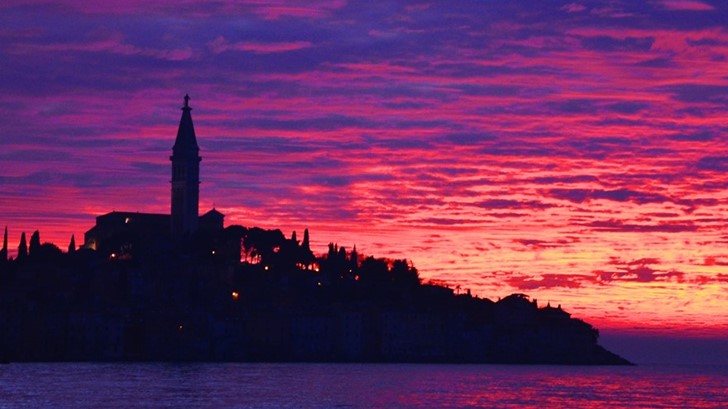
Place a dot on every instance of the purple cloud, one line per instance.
(617, 195)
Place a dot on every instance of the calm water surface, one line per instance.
(66, 385)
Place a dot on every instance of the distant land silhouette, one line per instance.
(182, 287)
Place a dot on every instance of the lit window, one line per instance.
(236, 295)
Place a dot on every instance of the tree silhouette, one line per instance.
(4, 251)
(305, 245)
(305, 255)
(22, 247)
(333, 249)
(34, 244)
(373, 271)
(287, 254)
(48, 252)
(404, 275)
(336, 263)
(72, 244)
(354, 260)
(233, 238)
(262, 244)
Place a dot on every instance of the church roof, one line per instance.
(214, 212)
(186, 141)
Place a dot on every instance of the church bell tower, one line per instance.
(185, 176)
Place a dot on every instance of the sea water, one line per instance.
(88, 385)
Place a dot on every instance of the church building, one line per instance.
(116, 230)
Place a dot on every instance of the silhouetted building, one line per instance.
(113, 231)
(185, 175)
(116, 229)
(211, 221)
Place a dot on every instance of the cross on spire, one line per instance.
(187, 100)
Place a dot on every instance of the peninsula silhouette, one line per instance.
(183, 287)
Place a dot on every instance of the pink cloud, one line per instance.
(278, 9)
(573, 8)
(267, 9)
(220, 45)
(686, 5)
(113, 43)
(546, 281)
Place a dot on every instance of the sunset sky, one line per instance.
(573, 151)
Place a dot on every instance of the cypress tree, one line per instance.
(305, 244)
(354, 259)
(34, 244)
(22, 247)
(4, 251)
(72, 244)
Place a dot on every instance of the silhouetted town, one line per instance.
(183, 287)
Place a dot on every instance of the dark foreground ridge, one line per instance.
(254, 295)
(182, 287)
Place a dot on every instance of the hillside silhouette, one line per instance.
(181, 287)
(249, 294)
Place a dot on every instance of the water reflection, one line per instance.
(358, 386)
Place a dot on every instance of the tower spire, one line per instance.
(185, 175)
(186, 141)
